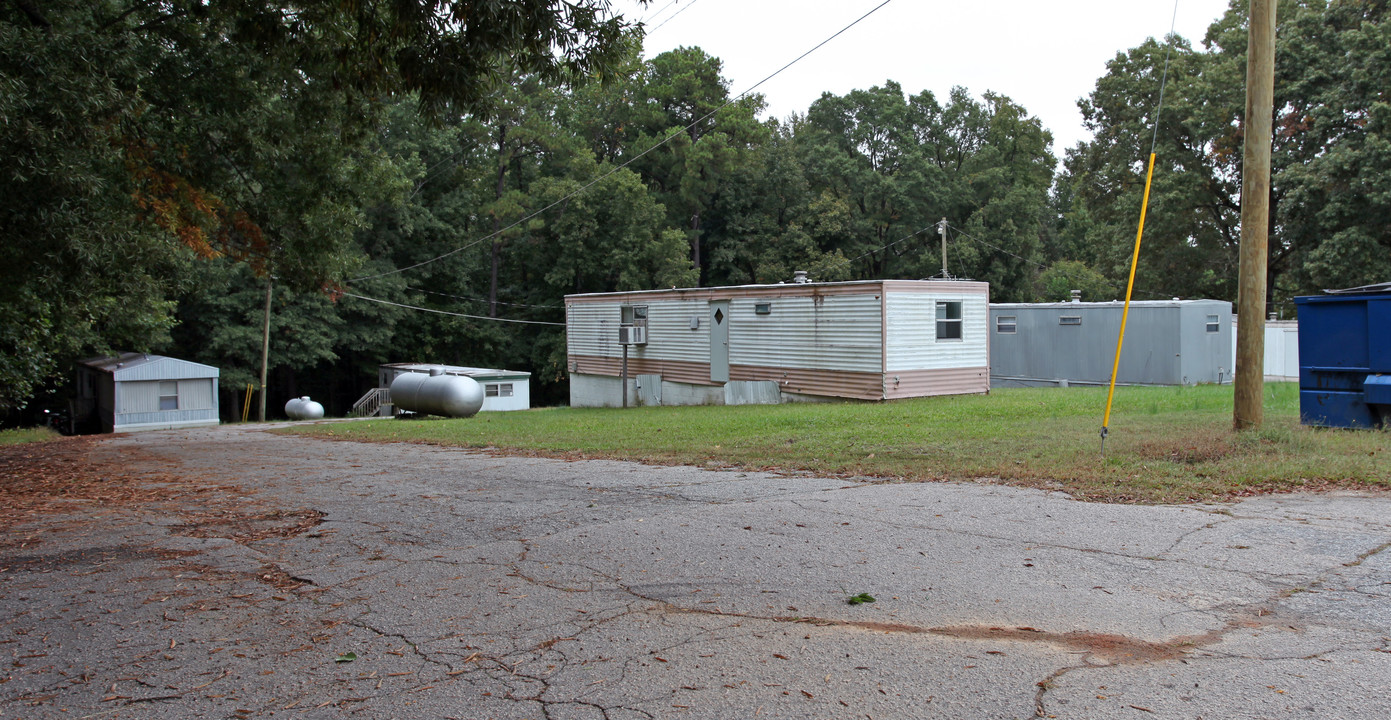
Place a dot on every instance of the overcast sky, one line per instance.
(1044, 55)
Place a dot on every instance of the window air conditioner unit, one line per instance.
(632, 335)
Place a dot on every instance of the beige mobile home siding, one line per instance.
(674, 350)
(593, 329)
(833, 332)
(912, 340)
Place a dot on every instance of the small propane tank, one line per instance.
(302, 408)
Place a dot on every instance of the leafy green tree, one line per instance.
(684, 97)
(768, 218)
(1056, 283)
(1192, 225)
(225, 129)
(1330, 159)
(885, 168)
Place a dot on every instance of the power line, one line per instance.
(454, 314)
(631, 160)
(653, 16)
(886, 247)
(673, 16)
(484, 300)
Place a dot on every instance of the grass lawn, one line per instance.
(1165, 444)
(17, 436)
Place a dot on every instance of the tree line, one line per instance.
(158, 182)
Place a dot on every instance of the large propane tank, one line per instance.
(437, 394)
(302, 408)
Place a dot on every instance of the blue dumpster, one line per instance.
(1345, 357)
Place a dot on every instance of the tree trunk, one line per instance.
(695, 249)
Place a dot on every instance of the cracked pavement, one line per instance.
(408, 581)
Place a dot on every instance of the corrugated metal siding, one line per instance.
(166, 418)
(165, 368)
(912, 336)
(836, 332)
(592, 330)
(197, 394)
(945, 381)
(1205, 355)
(137, 397)
(677, 371)
(1042, 348)
(831, 383)
(764, 392)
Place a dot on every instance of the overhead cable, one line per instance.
(628, 162)
(483, 300)
(446, 312)
(673, 15)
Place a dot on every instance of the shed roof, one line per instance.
(143, 366)
(472, 372)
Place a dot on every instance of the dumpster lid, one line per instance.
(1374, 288)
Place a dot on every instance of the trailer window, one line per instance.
(169, 395)
(948, 320)
(1070, 320)
(497, 390)
(1213, 324)
(1006, 324)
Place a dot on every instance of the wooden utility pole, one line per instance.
(1249, 381)
(942, 230)
(265, 355)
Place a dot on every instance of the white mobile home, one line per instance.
(866, 340)
(1281, 349)
(502, 389)
(136, 391)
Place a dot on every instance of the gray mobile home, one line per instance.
(869, 340)
(137, 391)
(1168, 342)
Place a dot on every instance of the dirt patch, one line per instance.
(1096, 648)
(1188, 450)
(1108, 648)
(76, 475)
(244, 527)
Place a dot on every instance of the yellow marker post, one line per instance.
(1125, 314)
(246, 406)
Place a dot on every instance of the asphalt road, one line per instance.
(266, 575)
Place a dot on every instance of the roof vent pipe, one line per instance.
(800, 277)
(1076, 296)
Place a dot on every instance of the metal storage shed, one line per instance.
(137, 391)
(1167, 342)
(867, 340)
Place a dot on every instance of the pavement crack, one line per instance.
(1046, 684)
